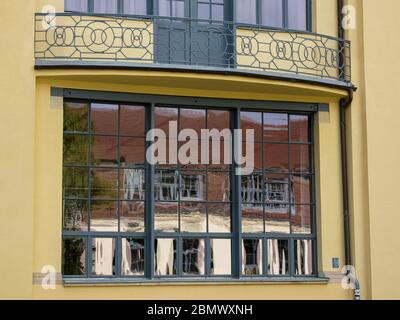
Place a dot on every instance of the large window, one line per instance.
(126, 218)
(293, 14)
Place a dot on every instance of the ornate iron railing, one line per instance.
(90, 39)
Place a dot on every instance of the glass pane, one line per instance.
(75, 182)
(276, 127)
(276, 157)
(104, 184)
(75, 149)
(166, 185)
(131, 216)
(76, 116)
(219, 186)
(300, 219)
(217, 12)
(219, 152)
(172, 8)
(166, 217)
(132, 184)
(104, 118)
(104, 151)
(251, 121)
(218, 119)
(75, 215)
(252, 260)
(105, 6)
(277, 218)
(203, 11)
(76, 5)
(246, 11)
(272, 13)
(132, 152)
(299, 128)
(252, 218)
(219, 217)
(165, 257)
(278, 257)
(103, 256)
(193, 186)
(193, 257)
(133, 257)
(194, 119)
(297, 14)
(220, 256)
(300, 158)
(193, 217)
(190, 155)
(301, 189)
(252, 188)
(73, 256)
(104, 215)
(256, 149)
(135, 7)
(132, 121)
(276, 188)
(303, 252)
(166, 153)
(163, 117)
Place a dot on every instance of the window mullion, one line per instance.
(285, 4)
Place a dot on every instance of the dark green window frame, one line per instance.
(236, 235)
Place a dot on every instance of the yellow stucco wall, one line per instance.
(31, 158)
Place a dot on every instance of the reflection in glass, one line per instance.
(194, 119)
(132, 262)
(219, 217)
(132, 184)
(166, 185)
(252, 217)
(257, 150)
(252, 188)
(276, 127)
(276, 157)
(75, 182)
(104, 151)
(297, 14)
(131, 216)
(252, 257)
(73, 256)
(193, 216)
(104, 183)
(165, 257)
(299, 128)
(300, 219)
(103, 256)
(166, 217)
(300, 158)
(303, 252)
(76, 117)
(219, 152)
(246, 11)
(219, 186)
(138, 7)
(218, 119)
(193, 186)
(132, 151)
(75, 149)
(104, 118)
(75, 215)
(251, 121)
(193, 257)
(277, 218)
(278, 257)
(163, 116)
(276, 188)
(301, 189)
(103, 215)
(132, 120)
(220, 256)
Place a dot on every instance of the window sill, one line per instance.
(70, 282)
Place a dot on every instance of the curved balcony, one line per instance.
(77, 40)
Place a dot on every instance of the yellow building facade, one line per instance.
(40, 67)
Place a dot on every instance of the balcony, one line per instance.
(83, 40)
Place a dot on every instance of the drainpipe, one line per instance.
(344, 103)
